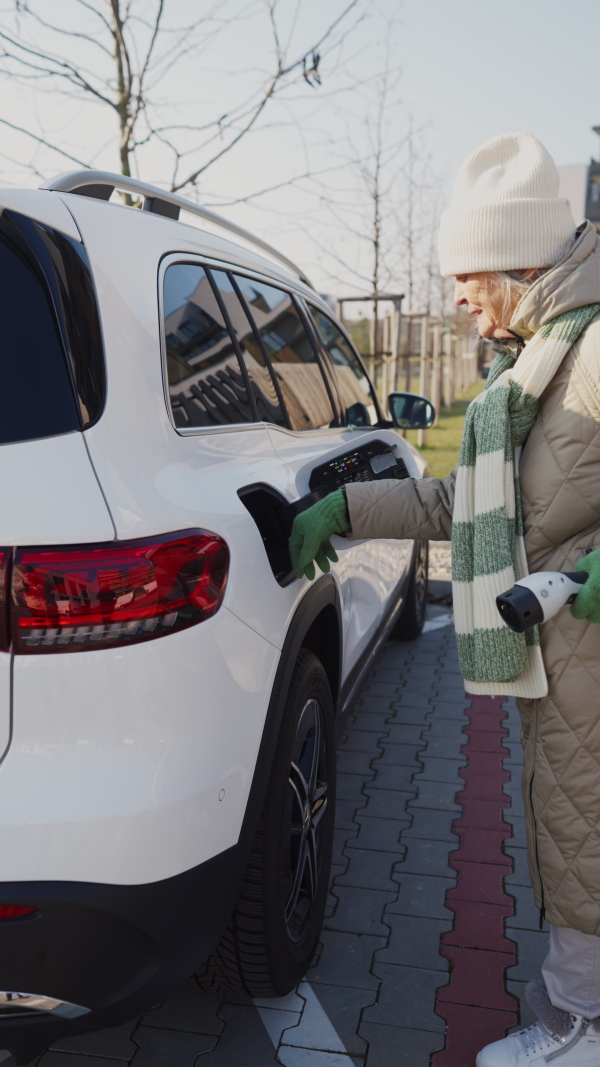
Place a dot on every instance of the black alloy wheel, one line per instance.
(412, 619)
(271, 938)
(306, 805)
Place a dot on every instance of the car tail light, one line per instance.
(14, 911)
(98, 596)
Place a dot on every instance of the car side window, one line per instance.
(262, 387)
(205, 381)
(291, 354)
(353, 383)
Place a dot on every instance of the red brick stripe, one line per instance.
(475, 1005)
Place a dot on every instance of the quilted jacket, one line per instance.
(560, 489)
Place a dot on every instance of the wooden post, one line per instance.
(447, 350)
(436, 383)
(385, 364)
(373, 344)
(409, 357)
(459, 366)
(386, 344)
(422, 434)
(397, 326)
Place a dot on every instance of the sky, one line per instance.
(460, 73)
(480, 69)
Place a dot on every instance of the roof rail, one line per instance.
(101, 184)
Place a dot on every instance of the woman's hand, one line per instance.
(587, 603)
(311, 534)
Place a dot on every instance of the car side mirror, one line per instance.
(411, 412)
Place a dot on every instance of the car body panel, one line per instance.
(50, 494)
(43, 206)
(123, 756)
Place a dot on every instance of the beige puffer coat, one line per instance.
(560, 488)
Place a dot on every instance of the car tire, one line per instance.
(412, 618)
(271, 938)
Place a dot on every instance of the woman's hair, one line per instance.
(515, 283)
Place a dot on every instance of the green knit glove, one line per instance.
(587, 603)
(311, 532)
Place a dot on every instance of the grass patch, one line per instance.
(443, 441)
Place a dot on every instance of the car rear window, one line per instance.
(40, 396)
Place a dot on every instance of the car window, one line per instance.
(291, 354)
(266, 400)
(205, 380)
(352, 381)
(37, 398)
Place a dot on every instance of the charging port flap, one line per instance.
(266, 505)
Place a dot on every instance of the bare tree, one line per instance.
(360, 206)
(115, 55)
(386, 211)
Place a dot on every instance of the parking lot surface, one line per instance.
(430, 933)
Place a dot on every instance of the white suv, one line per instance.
(169, 693)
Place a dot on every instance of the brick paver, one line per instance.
(429, 870)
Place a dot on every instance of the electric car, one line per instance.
(174, 392)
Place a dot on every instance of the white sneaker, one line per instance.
(536, 1046)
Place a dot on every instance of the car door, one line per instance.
(357, 394)
(220, 401)
(316, 432)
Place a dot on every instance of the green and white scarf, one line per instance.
(488, 552)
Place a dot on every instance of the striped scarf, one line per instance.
(488, 551)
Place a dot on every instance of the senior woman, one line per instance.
(524, 497)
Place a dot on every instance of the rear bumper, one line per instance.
(115, 950)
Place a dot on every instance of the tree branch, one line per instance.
(146, 63)
(67, 33)
(41, 141)
(68, 71)
(282, 72)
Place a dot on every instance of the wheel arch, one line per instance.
(324, 638)
(316, 626)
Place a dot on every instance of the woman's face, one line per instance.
(484, 299)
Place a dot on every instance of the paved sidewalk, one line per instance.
(429, 871)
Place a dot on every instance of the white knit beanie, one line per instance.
(505, 212)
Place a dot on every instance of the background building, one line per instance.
(581, 185)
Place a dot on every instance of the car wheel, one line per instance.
(273, 933)
(412, 618)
